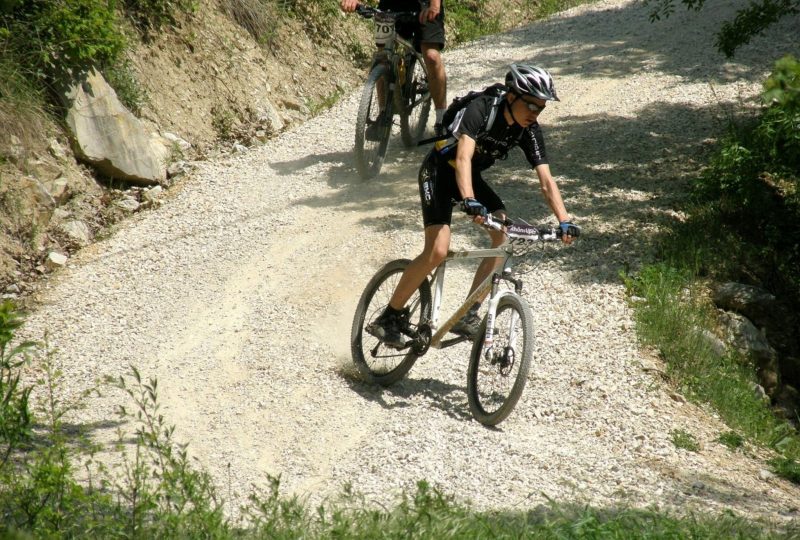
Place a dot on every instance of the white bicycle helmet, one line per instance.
(531, 81)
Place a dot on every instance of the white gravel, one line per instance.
(238, 293)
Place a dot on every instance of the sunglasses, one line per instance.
(533, 107)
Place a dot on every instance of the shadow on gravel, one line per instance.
(295, 166)
(79, 435)
(612, 169)
(634, 44)
(448, 398)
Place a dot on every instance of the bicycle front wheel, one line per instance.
(497, 376)
(375, 361)
(373, 122)
(416, 103)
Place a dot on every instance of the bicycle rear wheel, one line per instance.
(373, 123)
(377, 362)
(416, 103)
(496, 377)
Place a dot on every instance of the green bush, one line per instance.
(16, 419)
(63, 35)
(470, 20)
(754, 178)
(149, 15)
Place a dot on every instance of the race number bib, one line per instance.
(384, 31)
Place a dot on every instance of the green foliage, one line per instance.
(64, 35)
(123, 80)
(752, 182)
(223, 120)
(151, 15)
(165, 495)
(787, 468)
(779, 130)
(15, 416)
(674, 319)
(685, 440)
(749, 22)
(470, 20)
(731, 439)
(316, 107)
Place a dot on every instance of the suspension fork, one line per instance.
(494, 301)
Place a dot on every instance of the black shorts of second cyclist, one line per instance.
(431, 33)
(438, 188)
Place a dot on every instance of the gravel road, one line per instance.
(238, 292)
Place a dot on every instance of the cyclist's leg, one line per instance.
(437, 78)
(437, 242)
(431, 40)
(437, 186)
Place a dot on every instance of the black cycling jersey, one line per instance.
(500, 138)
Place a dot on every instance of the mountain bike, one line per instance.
(397, 84)
(502, 351)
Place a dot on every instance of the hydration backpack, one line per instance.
(497, 91)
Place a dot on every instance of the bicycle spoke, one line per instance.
(498, 374)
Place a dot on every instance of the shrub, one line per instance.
(15, 416)
(63, 35)
(149, 15)
(753, 181)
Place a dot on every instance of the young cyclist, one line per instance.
(453, 171)
(428, 36)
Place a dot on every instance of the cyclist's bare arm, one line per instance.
(552, 195)
(464, 152)
(430, 12)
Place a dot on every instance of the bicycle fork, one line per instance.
(494, 301)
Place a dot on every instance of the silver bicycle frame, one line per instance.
(487, 284)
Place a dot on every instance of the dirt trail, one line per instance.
(238, 293)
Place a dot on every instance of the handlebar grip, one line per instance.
(365, 11)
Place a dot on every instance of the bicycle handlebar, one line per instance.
(368, 12)
(519, 232)
(522, 232)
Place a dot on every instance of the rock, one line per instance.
(129, 204)
(294, 105)
(58, 188)
(177, 168)
(78, 232)
(268, 116)
(182, 144)
(151, 195)
(108, 136)
(754, 303)
(55, 260)
(759, 392)
(716, 344)
(56, 149)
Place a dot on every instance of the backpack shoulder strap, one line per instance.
(493, 108)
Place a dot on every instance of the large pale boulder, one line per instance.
(109, 137)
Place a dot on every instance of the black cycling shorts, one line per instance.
(438, 189)
(432, 32)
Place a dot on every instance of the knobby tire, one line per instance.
(416, 103)
(389, 365)
(369, 154)
(492, 389)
